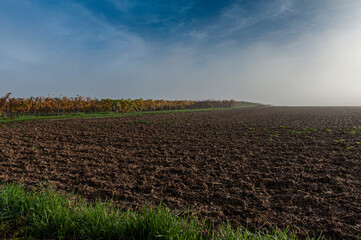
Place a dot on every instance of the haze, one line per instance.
(280, 52)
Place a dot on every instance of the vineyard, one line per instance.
(13, 107)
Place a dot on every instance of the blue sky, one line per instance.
(282, 52)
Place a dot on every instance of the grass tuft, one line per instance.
(46, 214)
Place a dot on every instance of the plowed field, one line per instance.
(260, 167)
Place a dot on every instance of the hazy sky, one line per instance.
(281, 52)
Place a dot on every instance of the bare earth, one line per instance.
(260, 167)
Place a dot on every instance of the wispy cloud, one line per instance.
(60, 51)
(237, 19)
(278, 52)
(123, 5)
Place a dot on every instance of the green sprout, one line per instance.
(145, 122)
(274, 135)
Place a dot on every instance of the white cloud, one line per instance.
(236, 18)
(61, 52)
(319, 67)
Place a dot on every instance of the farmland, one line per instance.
(259, 167)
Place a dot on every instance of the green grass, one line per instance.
(46, 214)
(25, 118)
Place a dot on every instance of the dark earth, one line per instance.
(261, 167)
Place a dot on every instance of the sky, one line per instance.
(279, 52)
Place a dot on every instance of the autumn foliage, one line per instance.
(64, 105)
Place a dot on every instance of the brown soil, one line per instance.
(260, 168)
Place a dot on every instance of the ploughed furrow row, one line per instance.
(257, 167)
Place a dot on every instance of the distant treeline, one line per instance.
(12, 107)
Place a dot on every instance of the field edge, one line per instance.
(45, 213)
(114, 114)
